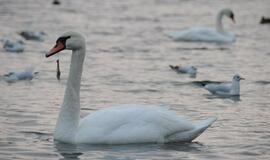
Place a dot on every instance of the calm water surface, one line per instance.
(127, 61)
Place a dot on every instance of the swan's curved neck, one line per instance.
(69, 115)
(235, 87)
(219, 25)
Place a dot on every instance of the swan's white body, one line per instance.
(27, 74)
(13, 46)
(205, 34)
(115, 125)
(137, 124)
(232, 89)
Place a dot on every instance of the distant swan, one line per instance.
(232, 89)
(114, 125)
(205, 34)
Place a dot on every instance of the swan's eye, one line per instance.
(62, 39)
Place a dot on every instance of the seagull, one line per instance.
(14, 46)
(224, 89)
(27, 74)
(265, 20)
(33, 35)
(191, 70)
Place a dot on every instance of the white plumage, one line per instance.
(205, 34)
(189, 69)
(27, 74)
(132, 124)
(115, 125)
(231, 89)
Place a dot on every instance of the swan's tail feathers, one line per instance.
(190, 135)
(203, 125)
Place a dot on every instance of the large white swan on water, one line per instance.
(114, 125)
(206, 34)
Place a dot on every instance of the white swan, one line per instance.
(205, 34)
(114, 125)
(232, 89)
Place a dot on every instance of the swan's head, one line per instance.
(69, 41)
(237, 77)
(229, 13)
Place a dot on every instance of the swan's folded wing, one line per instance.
(203, 34)
(131, 124)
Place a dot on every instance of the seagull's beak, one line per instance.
(57, 48)
(241, 78)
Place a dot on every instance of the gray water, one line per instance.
(127, 60)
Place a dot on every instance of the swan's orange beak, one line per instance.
(57, 48)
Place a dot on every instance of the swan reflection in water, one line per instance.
(75, 152)
(67, 151)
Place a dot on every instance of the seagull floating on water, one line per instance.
(224, 89)
(191, 70)
(265, 20)
(27, 74)
(33, 35)
(13, 46)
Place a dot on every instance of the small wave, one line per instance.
(202, 48)
(228, 97)
(263, 82)
(88, 109)
(138, 90)
(205, 82)
(36, 133)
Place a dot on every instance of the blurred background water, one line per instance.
(128, 54)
